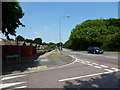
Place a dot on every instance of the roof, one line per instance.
(4, 42)
(20, 43)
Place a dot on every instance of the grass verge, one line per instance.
(56, 55)
(111, 52)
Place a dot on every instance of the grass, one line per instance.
(55, 55)
(111, 52)
(108, 52)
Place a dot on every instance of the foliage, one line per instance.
(11, 13)
(20, 38)
(104, 33)
(52, 45)
(29, 40)
(58, 44)
(38, 41)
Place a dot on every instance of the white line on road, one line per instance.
(83, 62)
(10, 84)
(116, 69)
(90, 64)
(11, 77)
(95, 63)
(108, 70)
(87, 61)
(104, 66)
(97, 67)
(20, 87)
(84, 76)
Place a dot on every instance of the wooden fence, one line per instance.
(13, 54)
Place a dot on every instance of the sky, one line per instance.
(41, 19)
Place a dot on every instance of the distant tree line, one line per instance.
(104, 33)
(36, 40)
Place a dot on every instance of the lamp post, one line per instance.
(60, 48)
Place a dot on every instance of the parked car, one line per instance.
(95, 50)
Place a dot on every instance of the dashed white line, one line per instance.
(104, 66)
(97, 67)
(87, 61)
(109, 70)
(11, 77)
(83, 62)
(95, 63)
(90, 64)
(115, 69)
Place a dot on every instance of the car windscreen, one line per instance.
(95, 48)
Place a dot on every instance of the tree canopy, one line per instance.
(38, 41)
(20, 38)
(104, 33)
(11, 15)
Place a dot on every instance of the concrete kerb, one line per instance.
(45, 69)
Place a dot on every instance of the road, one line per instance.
(86, 71)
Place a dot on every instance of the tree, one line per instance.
(11, 13)
(38, 40)
(104, 33)
(59, 44)
(20, 38)
(29, 40)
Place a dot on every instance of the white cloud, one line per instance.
(35, 33)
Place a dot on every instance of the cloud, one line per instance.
(35, 33)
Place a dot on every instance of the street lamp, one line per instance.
(60, 48)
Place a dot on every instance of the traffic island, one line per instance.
(51, 59)
(56, 58)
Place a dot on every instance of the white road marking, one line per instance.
(83, 62)
(11, 77)
(10, 84)
(108, 70)
(26, 72)
(116, 69)
(97, 67)
(87, 61)
(20, 87)
(90, 64)
(67, 79)
(104, 66)
(95, 63)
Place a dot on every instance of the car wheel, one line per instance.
(94, 52)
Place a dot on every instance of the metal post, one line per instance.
(60, 31)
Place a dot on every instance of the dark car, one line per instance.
(95, 50)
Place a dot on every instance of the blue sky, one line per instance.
(42, 18)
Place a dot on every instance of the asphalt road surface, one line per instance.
(86, 71)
